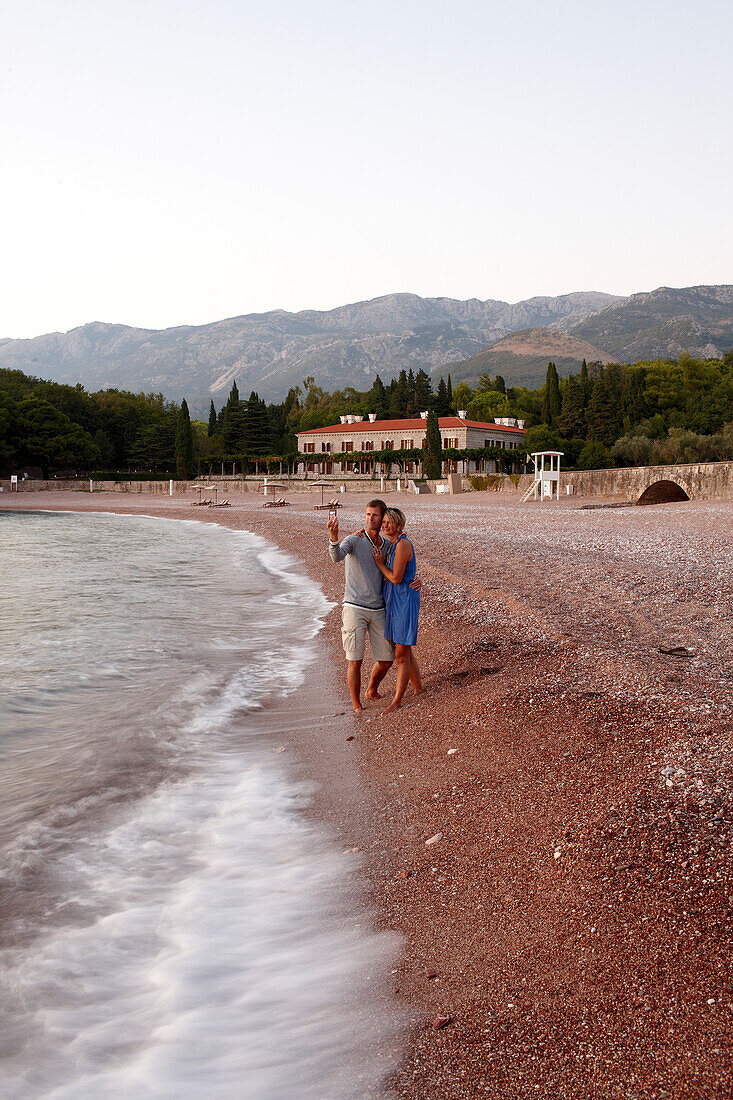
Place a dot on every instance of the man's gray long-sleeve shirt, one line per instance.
(363, 586)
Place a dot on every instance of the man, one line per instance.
(363, 606)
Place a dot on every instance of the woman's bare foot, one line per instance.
(392, 706)
(372, 695)
(358, 711)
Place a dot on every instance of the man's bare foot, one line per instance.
(391, 707)
(418, 692)
(358, 711)
(372, 695)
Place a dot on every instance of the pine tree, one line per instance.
(423, 391)
(377, 399)
(212, 420)
(233, 424)
(442, 406)
(257, 426)
(499, 384)
(398, 397)
(185, 465)
(551, 399)
(432, 447)
(604, 414)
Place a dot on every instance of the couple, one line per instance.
(381, 598)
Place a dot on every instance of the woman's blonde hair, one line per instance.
(398, 518)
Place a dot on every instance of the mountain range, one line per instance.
(348, 346)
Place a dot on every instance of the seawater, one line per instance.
(171, 922)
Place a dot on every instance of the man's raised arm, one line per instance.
(335, 548)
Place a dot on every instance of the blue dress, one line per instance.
(401, 602)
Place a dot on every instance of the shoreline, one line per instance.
(571, 921)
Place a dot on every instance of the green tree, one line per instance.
(185, 465)
(50, 440)
(398, 397)
(462, 395)
(485, 406)
(585, 383)
(212, 421)
(377, 399)
(571, 421)
(551, 399)
(432, 447)
(632, 450)
(257, 426)
(234, 424)
(442, 404)
(423, 391)
(594, 456)
(604, 413)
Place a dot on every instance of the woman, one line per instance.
(402, 603)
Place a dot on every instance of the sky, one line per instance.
(168, 163)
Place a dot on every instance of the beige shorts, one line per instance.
(357, 622)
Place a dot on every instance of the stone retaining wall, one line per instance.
(700, 481)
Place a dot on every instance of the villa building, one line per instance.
(357, 433)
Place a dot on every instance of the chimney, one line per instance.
(423, 416)
(349, 419)
(358, 419)
(497, 420)
(343, 419)
(372, 417)
(520, 423)
(462, 414)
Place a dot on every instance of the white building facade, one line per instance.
(369, 434)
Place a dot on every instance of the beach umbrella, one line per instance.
(273, 485)
(322, 485)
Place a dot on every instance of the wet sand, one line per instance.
(567, 929)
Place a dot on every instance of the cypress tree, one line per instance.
(551, 399)
(432, 452)
(449, 390)
(185, 466)
(212, 420)
(410, 403)
(585, 384)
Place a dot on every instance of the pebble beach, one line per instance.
(547, 827)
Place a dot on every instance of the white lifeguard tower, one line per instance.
(546, 476)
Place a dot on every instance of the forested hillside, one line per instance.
(656, 411)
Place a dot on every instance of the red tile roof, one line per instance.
(416, 422)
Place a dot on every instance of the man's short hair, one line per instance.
(377, 503)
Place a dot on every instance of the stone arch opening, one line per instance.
(663, 492)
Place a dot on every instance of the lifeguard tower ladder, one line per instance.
(546, 476)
